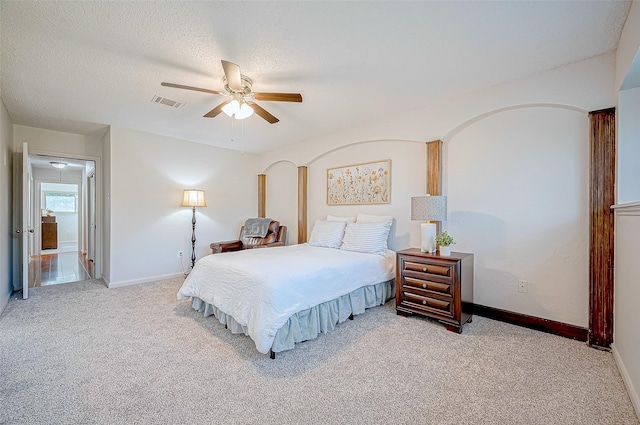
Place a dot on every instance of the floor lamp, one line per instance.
(193, 198)
(430, 208)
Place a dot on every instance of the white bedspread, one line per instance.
(261, 288)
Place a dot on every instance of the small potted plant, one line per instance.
(444, 241)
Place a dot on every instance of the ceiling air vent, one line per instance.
(168, 102)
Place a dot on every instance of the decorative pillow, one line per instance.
(366, 237)
(337, 218)
(327, 234)
(368, 218)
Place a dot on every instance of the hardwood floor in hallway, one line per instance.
(59, 267)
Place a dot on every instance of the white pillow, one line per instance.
(366, 237)
(368, 218)
(337, 218)
(327, 234)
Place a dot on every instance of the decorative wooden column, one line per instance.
(302, 204)
(262, 195)
(434, 172)
(601, 239)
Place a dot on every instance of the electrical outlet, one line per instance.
(180, 254)
(523, 286)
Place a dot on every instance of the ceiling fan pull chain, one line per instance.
(242, 137)
(232, 120)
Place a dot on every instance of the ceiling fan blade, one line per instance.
(215, 111)
(180, 86)
(263, 113)
(232, 72)
(278, 97)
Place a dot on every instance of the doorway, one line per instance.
(64, 216)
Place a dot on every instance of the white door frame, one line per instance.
(97, 263)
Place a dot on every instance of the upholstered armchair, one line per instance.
(276, 236)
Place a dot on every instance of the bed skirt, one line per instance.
(308, 324)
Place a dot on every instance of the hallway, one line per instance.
(63, 265)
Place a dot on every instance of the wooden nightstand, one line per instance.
(435, 286)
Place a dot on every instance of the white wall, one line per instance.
(543, 115)
(6, 194)
(629, 44)
(628, 118)
(517, 183)
(626, 344)
(56, 142)
(148, 226)
(408, 178)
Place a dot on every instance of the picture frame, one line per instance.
(360, 184)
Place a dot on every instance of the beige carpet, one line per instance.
(79, 353)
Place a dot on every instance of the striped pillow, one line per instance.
(366, 237)
(327, 234)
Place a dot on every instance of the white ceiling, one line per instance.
(78, 66)
(44, 161)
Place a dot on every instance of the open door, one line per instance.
(91, 212)
(24, 229)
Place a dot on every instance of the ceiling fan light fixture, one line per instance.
(245, 111)
(231, 108)
(58, 164)
(239, 110)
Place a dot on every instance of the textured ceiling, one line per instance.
(77, 66)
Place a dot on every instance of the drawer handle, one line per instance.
(424, 269)
(424, 285)
(424, 302)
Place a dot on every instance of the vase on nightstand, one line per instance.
(445, 250)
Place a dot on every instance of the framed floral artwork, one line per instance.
(366, 183)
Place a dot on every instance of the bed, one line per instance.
(281, 296)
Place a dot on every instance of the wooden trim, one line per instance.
(262, 195)
(602, 143)
(434, 167)
(302, 204)
(434, 172)
(532, 322)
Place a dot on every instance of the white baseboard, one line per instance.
(143, 280)
(3, 302)
(631, 389)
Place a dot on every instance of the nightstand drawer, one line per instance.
(428, 285)
(427, 303)
(428, 268)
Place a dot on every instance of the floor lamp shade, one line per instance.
(193, 198)
(429, 208)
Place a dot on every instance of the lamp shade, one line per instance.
(429, 208)
(193, 198)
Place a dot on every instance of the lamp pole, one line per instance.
(193, 238)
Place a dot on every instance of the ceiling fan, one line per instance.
(238, 88)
